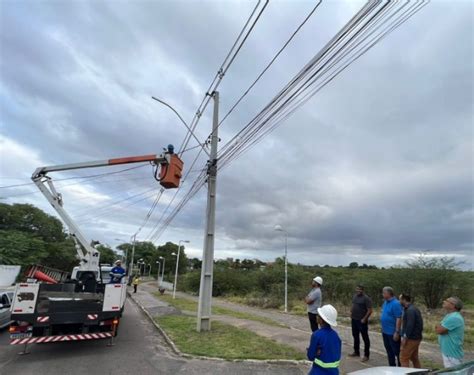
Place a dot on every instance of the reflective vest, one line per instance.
(325, 351)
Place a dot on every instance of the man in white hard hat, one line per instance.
(117, 273)
(325, 346)
(313, 302)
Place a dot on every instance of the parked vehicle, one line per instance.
(6, 298)
(463, 369)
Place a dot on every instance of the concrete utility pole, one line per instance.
(205, 289)
(133, 253)
(158, 273)
(163, 269)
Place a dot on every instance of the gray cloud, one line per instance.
(378, 166)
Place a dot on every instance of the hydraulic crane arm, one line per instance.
(88, 255)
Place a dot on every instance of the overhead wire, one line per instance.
(228, 60)
(351, 42)
(232, 54)
(93, 176)
(283, 110)
(275, 57)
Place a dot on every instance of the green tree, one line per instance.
(107, 255)
(30, 219)
(19, 248)
(30, 236)
(434, 278)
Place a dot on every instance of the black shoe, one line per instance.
(354, 355)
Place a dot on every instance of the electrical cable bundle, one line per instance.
(373, 22)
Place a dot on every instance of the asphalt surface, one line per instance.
(139, 349)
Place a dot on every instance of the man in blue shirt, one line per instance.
(325, 345)
(451, 333)
(117, 273)
(390, 320)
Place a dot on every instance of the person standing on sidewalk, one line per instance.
(411, 333)
(451, 333)
(390, 320)
(313, 302)
(360, 313)
(136, 281)
(325, 346)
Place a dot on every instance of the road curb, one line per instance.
(190, 356)
(157, 326)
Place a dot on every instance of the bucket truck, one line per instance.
(85, 307)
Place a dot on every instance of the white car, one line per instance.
(386, 370)
(463, 369)
(6, 298)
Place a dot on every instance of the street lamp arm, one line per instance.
(184, 123)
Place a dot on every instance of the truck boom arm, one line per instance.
(88, 255)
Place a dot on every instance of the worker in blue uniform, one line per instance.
(325, 345)
(117, 273)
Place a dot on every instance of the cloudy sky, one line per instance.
(375, 168)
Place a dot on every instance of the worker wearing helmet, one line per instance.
(117, 273)
(313, 302)
(325, 345)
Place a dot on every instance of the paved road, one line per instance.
(139, 349)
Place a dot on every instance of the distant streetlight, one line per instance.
(158, 274)
(177, 264)
(140, 263)
(124, 253)
(163, 269)
(279, 228)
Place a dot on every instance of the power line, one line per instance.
(111, 209)
(270, 63)
(229, 59)
(336, 57)
(99, 175)
(352, 41)
(232, 54)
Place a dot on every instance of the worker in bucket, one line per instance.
(117, 273)
(325, 345)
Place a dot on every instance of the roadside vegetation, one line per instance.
(428, 279)
(223, 341)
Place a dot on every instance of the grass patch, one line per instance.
(223, 341)
(179, 303)
(245, 315)
(190, 305)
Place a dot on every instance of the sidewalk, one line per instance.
(297, 335)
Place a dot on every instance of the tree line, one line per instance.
(428, 279)
(30, 236)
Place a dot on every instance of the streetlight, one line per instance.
(177, 264)
(124, 253)
(158, 274)
(163, 269)
(279, 228)
(140, 263)
(133, 251)
(149, 270)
